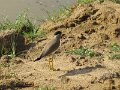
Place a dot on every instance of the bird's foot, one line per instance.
(53, 69)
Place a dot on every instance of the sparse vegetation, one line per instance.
(91, 1)
(6, 24)
(84, 1)
(83, 51)
(58, 15)
(117, 1)
(8, 75)
(115, 51)
(115, 56)
(4, 65)
(23, 24)
(25, 27)
(115, 47)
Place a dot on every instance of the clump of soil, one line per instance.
(93, 26)
(7, 38)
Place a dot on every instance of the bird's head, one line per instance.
(58, 33)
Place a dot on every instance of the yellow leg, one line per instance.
(49, 63)
(52, 63)
(51, 66)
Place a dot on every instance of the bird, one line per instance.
(50, 48)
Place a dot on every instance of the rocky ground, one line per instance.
(95, 26)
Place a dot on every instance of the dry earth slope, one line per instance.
(94, 26)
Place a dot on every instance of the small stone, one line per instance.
(95, 23)
(113, 82)
(31, 74)
(82, 57)
(77, 63)
(82, 37)
(58, 69)
(117, 32)
(92, 82)
(104, 36)
(101, 27)
(80, 68)
(65, 79)
(98, 54)
(72, 59)
(80, 64)
(5, 59)
(101, 81)
(115, 75)
(77, 88)
(86, 60)
(18, 61)
(113, 88)
(46, 79)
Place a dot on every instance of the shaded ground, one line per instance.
(94, 26)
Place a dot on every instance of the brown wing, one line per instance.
(49, 48)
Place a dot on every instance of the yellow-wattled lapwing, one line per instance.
(50, 48)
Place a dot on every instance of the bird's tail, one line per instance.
(38, 58)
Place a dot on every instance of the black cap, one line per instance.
(57, 32)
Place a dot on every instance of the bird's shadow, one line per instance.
(30, 45)
(82, 71)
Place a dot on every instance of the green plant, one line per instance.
(9, 48)
(8, 75)
(84, 1)
(59, 14)
(25, 27)
(116, 1)
(90, 1)
(115, 51)
(45, 88)
(115, 47)
(4, 65)
(115, 56)
(6, 24)
(13, 49)
(4, 51)
(83, 51)
(28, 29)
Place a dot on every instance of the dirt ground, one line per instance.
(95, 26)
